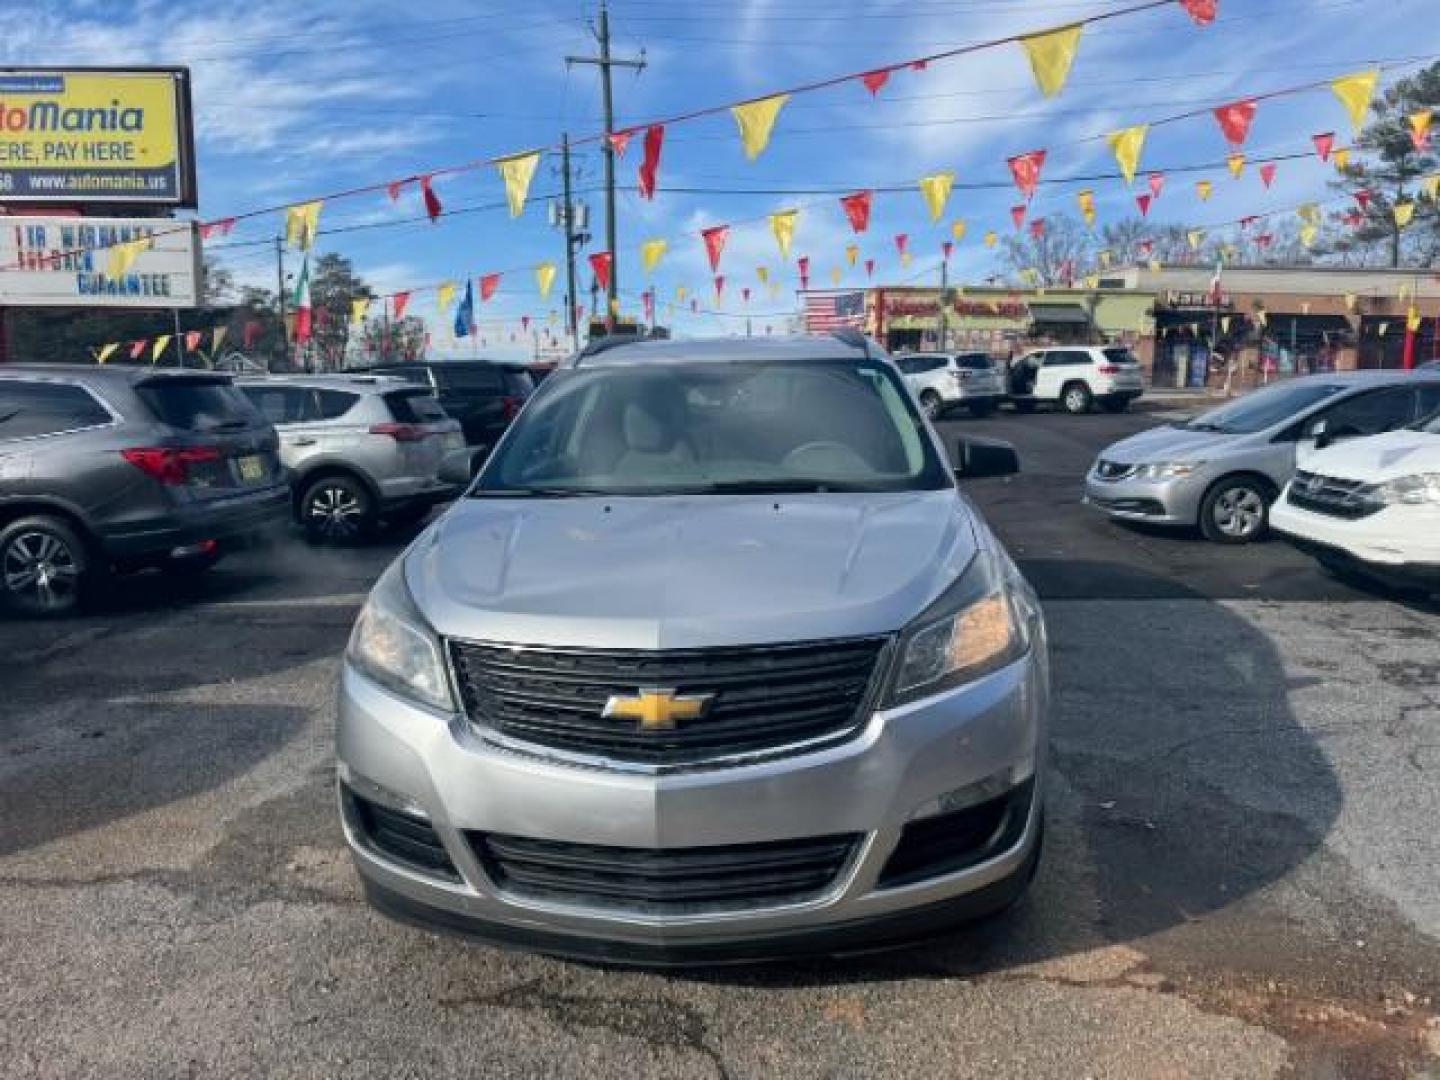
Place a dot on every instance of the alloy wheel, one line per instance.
(1239, 512)
(335, 512)
(1076, 400)
(40, 569)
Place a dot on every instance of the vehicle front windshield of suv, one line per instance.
(716, 428)
(1263, 408)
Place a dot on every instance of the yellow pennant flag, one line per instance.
(1431, 186)
(905, 257)
(122, 256)
(936, 189)
(219, 336)
(517, 171)
(1196, 238)
(1355, 92)
(1203, 188)
(957, 229)
(1412, 319)
(756, 119)
(852, 252)
(1309, 212)
(358, 307)
(106, 351)
(990, 238)
(680, 294)
(1420, 124)
(835, 275)
(782, 224)
(302, 222)
(1051, 53)
(159, 347)
(1404, 212)
(1308, 233)
(1085, 199)
(763, 273)
(650, 252)
(544, 278)
(1127, 144)
(444, 294)
(1236, 163)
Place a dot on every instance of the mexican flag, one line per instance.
(302, 303)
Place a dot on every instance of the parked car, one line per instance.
(121, 468)
(713, 661)
(1076, 378)
(483, 395)
(1370, 507)
(1223, 469)
(359, 447)
(943, 381)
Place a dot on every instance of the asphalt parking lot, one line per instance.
(1241, 878)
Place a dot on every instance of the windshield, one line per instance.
(712, 428)
(1263, 409)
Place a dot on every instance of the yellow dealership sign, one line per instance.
(87, 136)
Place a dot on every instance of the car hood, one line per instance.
(681, 571)
(1377, 458)
(1169, 444)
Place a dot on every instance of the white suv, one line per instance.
(1075, 378)
(943, 381)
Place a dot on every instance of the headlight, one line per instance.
(1167, 470)
(1418, 489)
(982, 623)
(392, 644)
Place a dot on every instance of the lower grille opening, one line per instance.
(1148, 507)
(402, 838)
(949, 842)
(665, 880)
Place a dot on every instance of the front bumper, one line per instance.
(1400, 544)
(1161, 502)
(902, 760)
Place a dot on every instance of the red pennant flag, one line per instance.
(205, 229)
(694, 304)
(192, 340)
(490, 282)
(1235, 120)
(600, 266)
(869, 268)
(715, 238)
(919, 65)
(857, 210)
(432, 201)
(1037, 227)
(647, 304)
(1202, 11)
(525, 322)
(745, 294)
(1353, 218)
(654, 137)
(1324, 143)
(1017, 215)
(136, 349)
(1267, 174)
(1025, 168)
(802, 264)
(874, 80)
(1146, 247)
(393, 189)
(1248, 220)
(1143, 201)
(251, 332)
(1264, 240)
(220, 226)
(1363, 198)
(1157, 181)
(400, 300)
(619, 140)
(946, 248)
(901, 239)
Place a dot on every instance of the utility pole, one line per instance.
(605, 62)
(567, 218)
(940, 324)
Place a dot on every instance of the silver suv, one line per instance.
(360, 448)
(714, 660)
(943, 381)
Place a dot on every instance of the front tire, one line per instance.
(931, 404)
(336, 509)
(1236, 511)
(43, 566)
(1076, 399)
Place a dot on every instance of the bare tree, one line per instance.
(1060, 252)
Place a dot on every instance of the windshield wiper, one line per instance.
(785, 485)
(538, 493)
(1191, 425)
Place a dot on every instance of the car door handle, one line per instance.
(303, 440)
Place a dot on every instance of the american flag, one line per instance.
(829, 311)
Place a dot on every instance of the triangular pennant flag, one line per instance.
(488, 284)
(901, 240)
(217, 336)
(835, 275)
(1196, 237)
(431, 200)
(525, 319)
(874, 80)
(1355, 92)
(650, 164)
(1267, 174)
(393, 189)
(302, 222)
(444, 295)
(1202, 11)
(1236, 163)
(1431, 186)
(399, 302)
(122, 256)
(991, 238)
(1127, 144)
(1412, 319)
(936, 189)
(947, 248)
(1025, 168)
(1308, 232)
(600, 267)
(544, 278)
(517, 171)
(1085, 199)
(852, 252)
(1308, 212)
(763, 273)
(782, 224)
(857, 210)
(1017, 214)
(745, 290)
(1324, 143)
(650, 253)
(680, 294)
(1203, 188)
(719, 287)
(106, 351)
(869, 268)
(1235, 120)
(465, 312)
(957, 229)
(1145, 246)
(1341, 158)
(137, 348)
(1051, 54)
(1363, 198)
(358, 307)
(160, 343)
(1037, 227)
(1420, 128)
(756, 119)
(1404, 212)
(1143, 202)
(1157, 183)
(715, 238)
(619, 140)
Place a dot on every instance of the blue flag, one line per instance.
(465, 313)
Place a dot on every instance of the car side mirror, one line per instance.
(976, 459)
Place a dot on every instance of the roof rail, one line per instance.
(596, 346)
(850, 336)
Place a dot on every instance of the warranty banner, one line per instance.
(81, 136)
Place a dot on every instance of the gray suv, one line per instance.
(714, 660)
(116, 468)
(360, 448)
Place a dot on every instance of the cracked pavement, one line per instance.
(1241, 879)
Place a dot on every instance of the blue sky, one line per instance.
(298, 99)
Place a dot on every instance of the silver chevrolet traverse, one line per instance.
(713, 662)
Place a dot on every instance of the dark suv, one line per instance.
(483, 395)
(114, 468)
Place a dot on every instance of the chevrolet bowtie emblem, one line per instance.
(657, 710)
